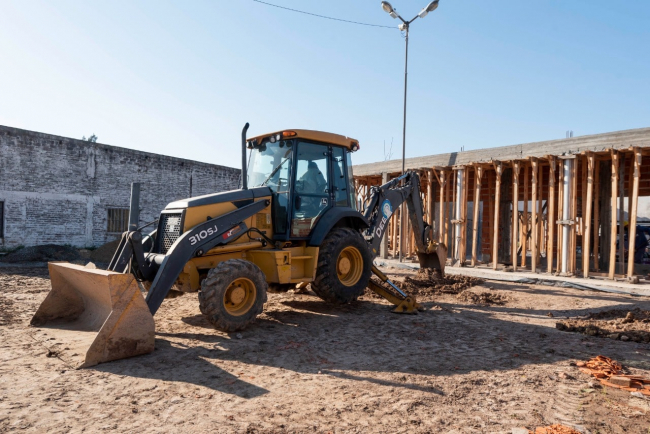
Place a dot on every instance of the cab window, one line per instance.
(311, 192)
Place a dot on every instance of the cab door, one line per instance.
(312, 190)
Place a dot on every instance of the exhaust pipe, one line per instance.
(244, 169)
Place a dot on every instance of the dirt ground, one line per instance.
(307, 366)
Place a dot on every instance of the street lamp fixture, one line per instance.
(432, 6)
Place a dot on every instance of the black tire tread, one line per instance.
(326, 285)
(216, 283)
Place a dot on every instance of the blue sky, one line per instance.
(181, 78)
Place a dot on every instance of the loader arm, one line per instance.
(195, 242)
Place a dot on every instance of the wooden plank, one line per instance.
(524, 227)
(515, 212)
(478, 175)
(596, 227)
(498, 167)
(586, 235)
(533, 242)
(551, 215)
(634, 199)
(612, 243)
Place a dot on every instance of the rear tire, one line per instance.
(233, 294)
(344, 266)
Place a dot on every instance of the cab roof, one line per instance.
(319, 136)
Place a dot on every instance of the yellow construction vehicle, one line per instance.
(297, 223)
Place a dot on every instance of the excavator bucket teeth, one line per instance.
(92, 316)
(435, 260)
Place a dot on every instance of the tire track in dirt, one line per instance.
(566, 406)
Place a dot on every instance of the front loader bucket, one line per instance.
(92, 316)
(435, 260)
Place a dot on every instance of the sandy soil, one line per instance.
(307, 366)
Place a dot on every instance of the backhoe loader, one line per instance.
(294, 221)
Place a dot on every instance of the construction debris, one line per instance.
(428, 282)
(625, 325)
(610, 373)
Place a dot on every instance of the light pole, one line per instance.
(432, 6)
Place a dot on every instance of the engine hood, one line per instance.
(226, 196)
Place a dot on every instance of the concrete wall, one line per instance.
(57, 190)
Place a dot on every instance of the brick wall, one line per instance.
(57, 190)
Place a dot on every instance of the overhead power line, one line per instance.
(323, 16)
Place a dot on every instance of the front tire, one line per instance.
(344, 266)
(233, 294)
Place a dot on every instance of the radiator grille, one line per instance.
(171, 230)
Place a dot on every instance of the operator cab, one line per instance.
(309, 172)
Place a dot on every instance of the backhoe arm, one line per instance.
(383, 202)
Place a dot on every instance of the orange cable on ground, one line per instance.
(610, 373)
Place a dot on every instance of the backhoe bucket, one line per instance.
(435, 260)
(92, 316)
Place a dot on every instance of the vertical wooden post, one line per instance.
(634, 199)
(550, 239)
(560, 213)
(540, 223)
(490, 213)
(583, 176)
(429, 197)
(441, 209)
(573, 250)
(621, 213)
(515, 213)
(612, 244)
(586, 234)
(465, 196)
(596, 226)
(498, 167)
(393, 236)
(448, 207)
(478, 174)
(455, 231)
(533, 243)
(524, 227)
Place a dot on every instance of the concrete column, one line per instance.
(458, 226)
(566, 212)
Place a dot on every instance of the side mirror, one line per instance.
(298, 202)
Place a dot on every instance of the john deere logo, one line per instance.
(387, 211)
(386, 208)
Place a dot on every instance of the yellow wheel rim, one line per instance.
(240, 296)
(349, 266)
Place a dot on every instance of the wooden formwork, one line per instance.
(521, 202)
